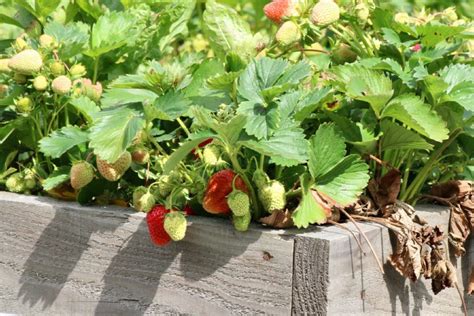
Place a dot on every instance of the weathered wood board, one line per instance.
(57, 258)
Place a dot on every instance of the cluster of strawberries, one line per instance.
(323, 13)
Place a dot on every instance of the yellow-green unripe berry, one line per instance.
(325, 12)
(288, 33)
(24, 105)
(4, 65)
(77, 71)
(57, 68)
(20, 44)
(175, 225)
(40, 83)
(273, 196)
(26, 62)
(47, 41)
(14, 183)
(61, 85)
(29, 180)
(238, 202)
(241, 223)
(145, 202)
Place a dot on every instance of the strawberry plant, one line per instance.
(284, 112)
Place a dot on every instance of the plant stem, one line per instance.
(183, 126)
(416, 185)
(237, 167)
(96, 70)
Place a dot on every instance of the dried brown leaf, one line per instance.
(385, 190)
(443, 276)
(281, 219)
(459, 230)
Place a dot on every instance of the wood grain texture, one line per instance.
(58, 258)
(310, 276)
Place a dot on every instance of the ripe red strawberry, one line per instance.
(156, 220)
(218, 188)
(278, 9)
(416, 48)
(188, 210)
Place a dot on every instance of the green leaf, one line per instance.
(173, 21)
(396, 137)
(287, 147)
(262, 121)
(463, 94)
(179, 154)
(432, 34)
(308, 211)
(227, 31)
(112, 31)
(8, 20)
(73, 37)
(364, 84)
(310, 102)
(455, 74)
(46, 7)
(119, 96)
(113, 132)
(229, 131)
(345, 181)
(326, 149)
(368, 140)
(86, 107)
(415, 114)
(168, 107)
(94, 9)
(56, 178)
(60, 141)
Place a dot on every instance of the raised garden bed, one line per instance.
(61, 258)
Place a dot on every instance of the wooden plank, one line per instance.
(58, 258)
(357, 287)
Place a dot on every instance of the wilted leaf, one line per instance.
(281, 219)
(385, 190)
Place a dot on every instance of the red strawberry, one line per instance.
(188, 210)
(201, 145)
(218, 188)
(155, 220)
(278, 9)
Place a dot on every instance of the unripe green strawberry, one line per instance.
(140, 155)
(260, 178)
(362, 11)
(20, 44)
(19, 78)
(165, 185)
(238, 202)
(47, 41)
(24, 105)
(212, 155)
(81, 174)
(114, 171)
(241, 223)
(143, 202)
(26, 62)
(325, 12)
(343, 54)
(273, 196)
(288, 33)
(40, 83)
(61, 85)
(4, 65)
(57, 68)
(175, 225)
(137, 194)
(29, 180)
(15, 183)
(77, 71)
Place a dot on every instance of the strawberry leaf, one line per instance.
(73, 37)
(326, 149)
(114, 130)
(308, 211)
(396, 137)
(119, 96)
(86, 107)
(262, 121)
(287, 147)
(415, 114)
(227, 31)
(345, 181)
(56, 178)
(173, 21)
(60, 141)
(167, 107)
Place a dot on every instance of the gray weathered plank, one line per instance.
(58, 258)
